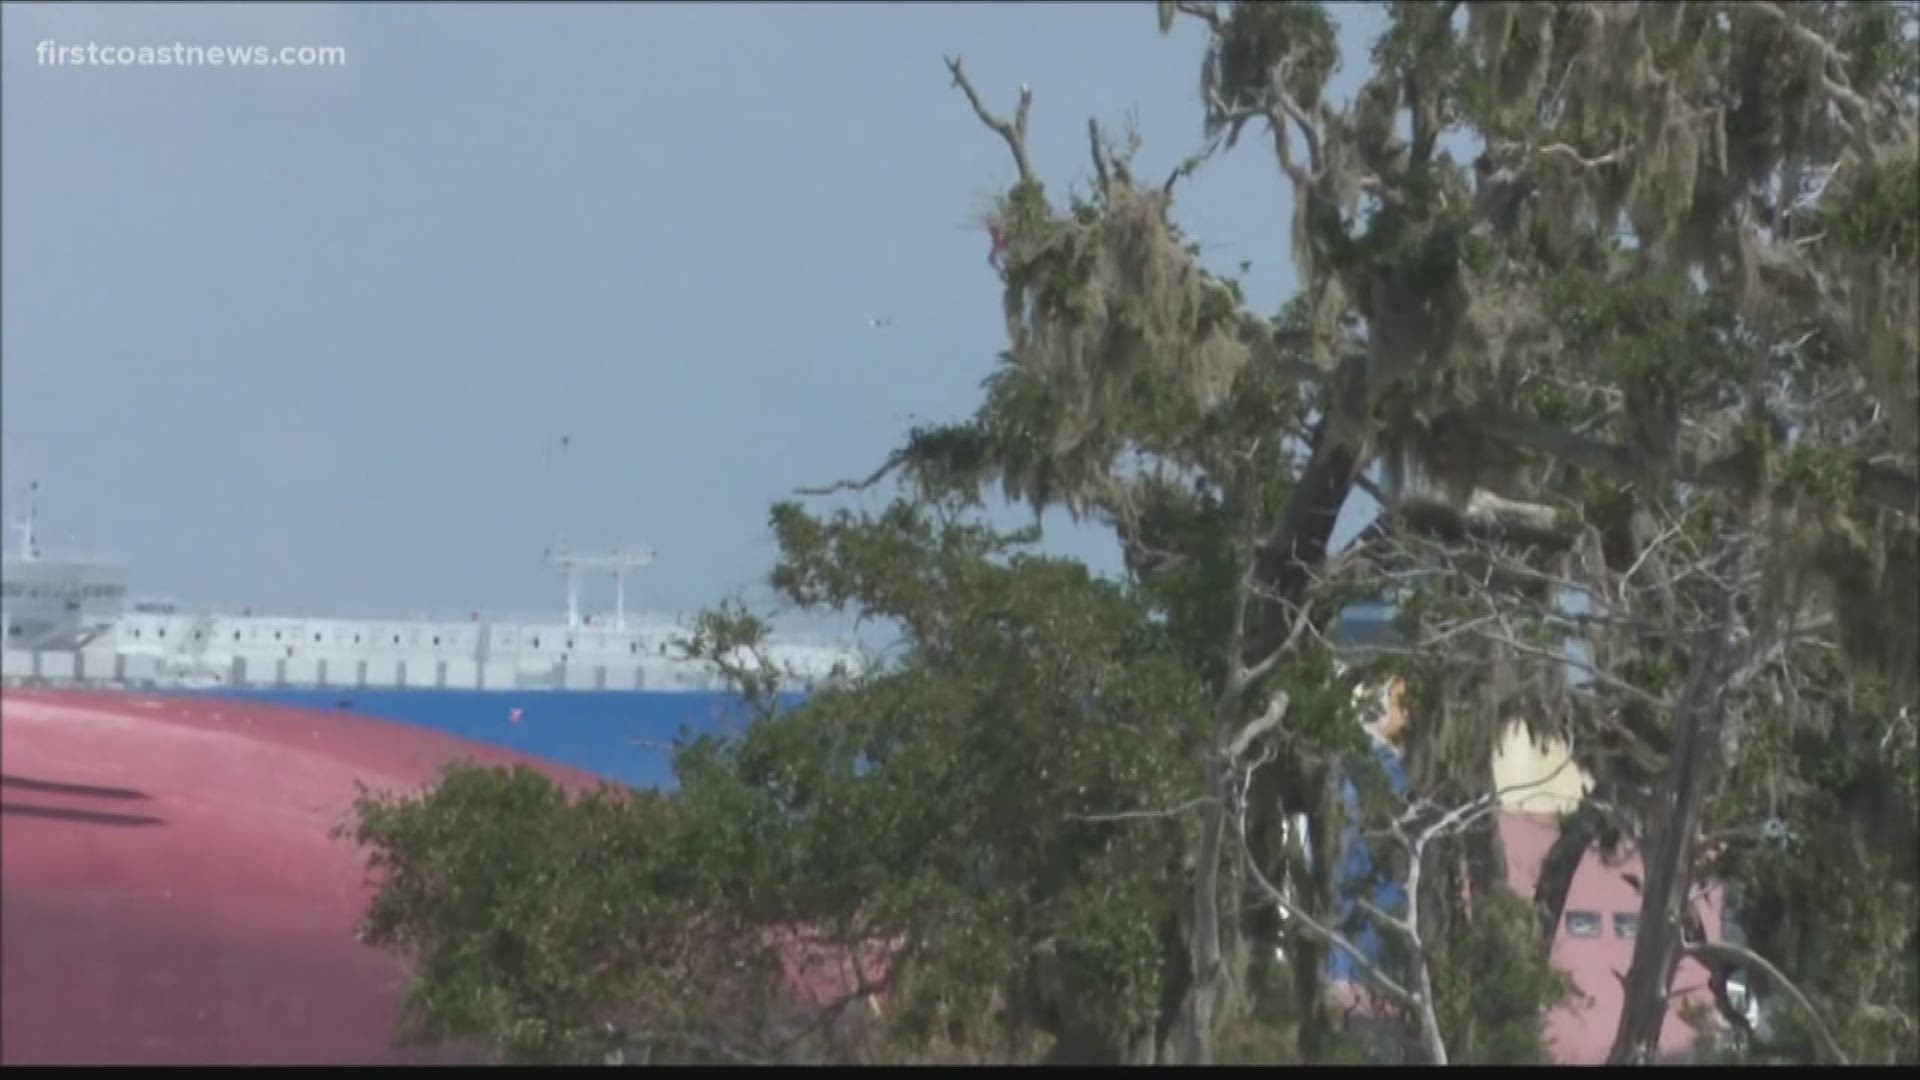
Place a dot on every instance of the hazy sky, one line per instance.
(308, 339)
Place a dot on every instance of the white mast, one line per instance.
(568, 565)
(619, 562)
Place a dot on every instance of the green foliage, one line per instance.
(949, 802)
(1032, 697)
(1882, 211)
(524, 913)
(1671, 303)
(1827, 795)
(1495, 985)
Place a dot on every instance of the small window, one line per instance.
(236, 635)
(316, 639)
(569, 643)
(396, 639)
(136, 631)
(162, 632)
(199, 635)
(633, 647)
(13, 631)
(1583, 924)
(436, 639)
(276, 635)
(1626, 924)
(536, 643)
(356, 639)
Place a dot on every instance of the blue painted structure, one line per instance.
(1356, 872)
(620, 735)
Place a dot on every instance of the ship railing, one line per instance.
(110, 669)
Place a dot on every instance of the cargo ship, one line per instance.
(175, 887)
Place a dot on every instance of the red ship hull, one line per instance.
(170, 888)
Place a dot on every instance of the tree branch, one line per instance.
(1882, 485)
(1203, 10)
(1097, 144)
(1276, 711)
(1135, 815)
(1337, 940)
(1015, 133)
(1832, 59)
(1487, 518)
(894, 461)
(1723, 952)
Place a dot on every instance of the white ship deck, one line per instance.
(67, 623)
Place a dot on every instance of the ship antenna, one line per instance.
(569, 565)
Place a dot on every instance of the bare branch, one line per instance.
(1486, 517)
(1832, 59)
(897, 459)
(1723, 952)
(1563, 150)
(1204, 10)
(1135, 815)
(1598, 674)
(1188, 167)
(1097, 143)
(1015, 133)
(1276, 711)
(1333, 938)
(1882, 485)
(1309, 131)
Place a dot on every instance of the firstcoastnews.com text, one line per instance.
(53, 54)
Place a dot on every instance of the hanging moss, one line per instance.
(1254, 39)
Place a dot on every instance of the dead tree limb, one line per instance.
(1014, 133)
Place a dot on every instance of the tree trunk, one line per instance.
(1299, 545)
(1203, 950)
(1667, 856)
(1320, 899)
(1283, 565)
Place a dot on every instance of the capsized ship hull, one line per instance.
(170, 886)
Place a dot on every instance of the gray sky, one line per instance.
(307, 339)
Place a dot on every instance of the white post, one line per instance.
(619, 599)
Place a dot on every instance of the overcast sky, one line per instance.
(308, 339)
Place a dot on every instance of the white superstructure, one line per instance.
(68, 621)
(55, 604)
